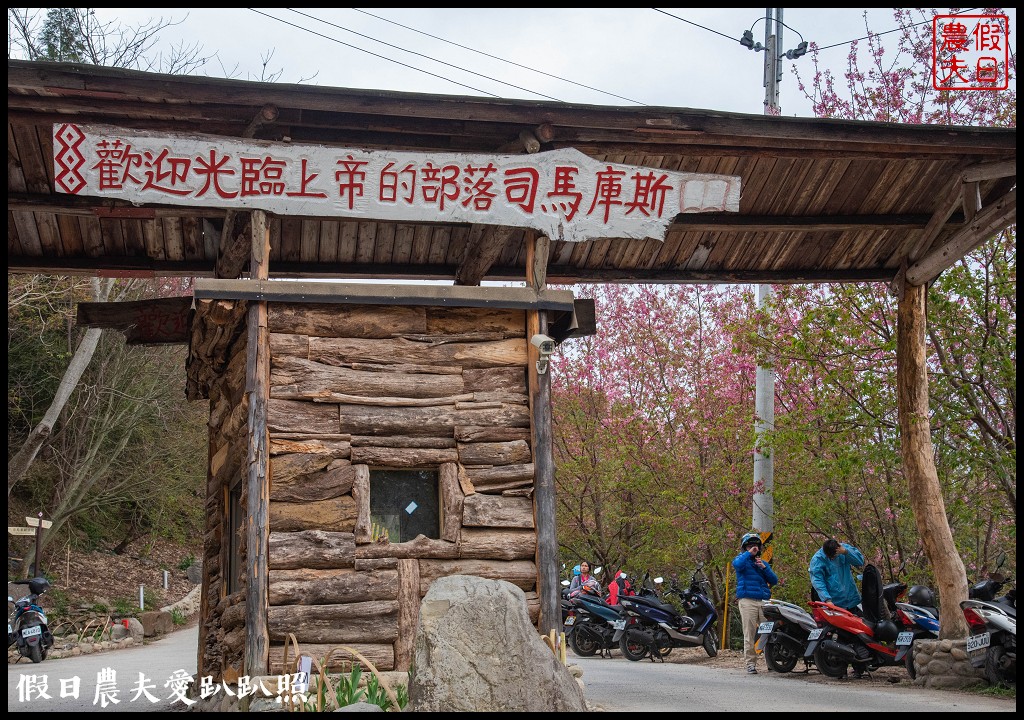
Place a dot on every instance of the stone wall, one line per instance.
(944, 664)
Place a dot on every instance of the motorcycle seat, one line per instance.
(652, 602)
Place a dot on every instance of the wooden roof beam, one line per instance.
(992, 219)
(159, 321)
(482, 250)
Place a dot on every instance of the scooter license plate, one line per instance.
(905, 638)
(765, 628)
(619, 624)
(571, 620)
(32, 631)
(815, 633)
(978, 642)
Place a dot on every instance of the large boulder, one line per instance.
(156, 622)
(476, 650)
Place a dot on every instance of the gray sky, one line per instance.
(622, 54)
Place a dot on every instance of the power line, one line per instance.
(495, 57)
(413, 52)
(368, 52)
(727, 37)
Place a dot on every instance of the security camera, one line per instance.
(544, 344)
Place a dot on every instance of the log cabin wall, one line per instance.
(360, 388)
(216, 369)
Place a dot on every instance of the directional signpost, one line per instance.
(36, 525)
(20, 530)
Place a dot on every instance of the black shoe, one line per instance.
(751, 670)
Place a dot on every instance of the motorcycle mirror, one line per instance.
(659, 579)
(565, 583)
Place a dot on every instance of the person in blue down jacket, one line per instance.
(754, 580)
(831, 572)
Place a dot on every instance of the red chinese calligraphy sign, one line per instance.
(970, 52)
(563, 194)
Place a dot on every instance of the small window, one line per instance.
(405, 504)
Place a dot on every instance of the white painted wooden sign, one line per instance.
(562, 193)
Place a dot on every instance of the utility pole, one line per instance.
(764, 391)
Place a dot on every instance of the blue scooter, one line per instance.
(920, 617)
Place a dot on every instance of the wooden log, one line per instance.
(502, 396)
(337, 448)
(403, 457)
(516, 452)
(509, 379)
(296, 416)
(376, 563)
(370, 622)
(419, 547)
(498, 544)
(289, 392)
(336, 515)
(233, 616)
(310, 436)
(433, 421)
(533, 606)
(451, 501)
(311, 549)
(408, 612)
(286, 467)
(456, 320)
(288, 345)
(464, 482)
(325, 485)
(338, 351)
(382, 655)
(412, 368)
(518, 492)
(402, 441)
(494, 479)
(521, 573)
(475, 433)
(233, 642)
(315, 378)
(306, 586)
(480, 510)
(361, 495)
(366, 321)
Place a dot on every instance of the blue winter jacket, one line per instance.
(833, 579)
(751, 581)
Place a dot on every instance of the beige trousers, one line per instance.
(751, 615)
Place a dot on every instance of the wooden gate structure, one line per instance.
(326, 396)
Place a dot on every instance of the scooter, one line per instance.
(919, 616)
(655, 626)
(867, 643)
(992, 620)
(27, 627)
(782, 637)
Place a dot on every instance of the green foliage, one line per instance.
(100, 608)
(59, 601)
(187, 562)
(125, 607)
(347, 690)
(178, 617)
(61, 36)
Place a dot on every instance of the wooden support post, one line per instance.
(919, 464)
(257, 388)
(543, 459)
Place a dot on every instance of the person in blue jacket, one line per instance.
(831, 572)
(754, 581)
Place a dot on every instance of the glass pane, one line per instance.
(405, 503)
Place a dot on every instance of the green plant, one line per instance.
(100, 608)
(187, 562)
(178, 617)
(124, 607)
(60, 602)
(347, 691)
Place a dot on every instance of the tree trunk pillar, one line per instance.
(257, 387)
(919, 463)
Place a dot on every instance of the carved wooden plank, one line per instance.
(313, 378)
(370, 622)
(515, 452)
(337, 351)
(361, 496)
(408, 612)
(403, 457)
(307, 586)
(311, 549)
(451, 501)
(330, 483)
(498, 544)
(362, 321)
(402, 441)
(337, 515)
(480, 510)
(419, 547)
(521, 573)
(437, 421)
(295, 416)
(510, 379)
(484, 433)
(382, 655)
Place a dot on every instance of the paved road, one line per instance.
(669, 687)
(158, 661)
(612, 685)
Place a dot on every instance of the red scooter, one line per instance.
(865, 643)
